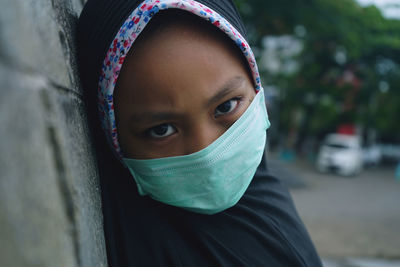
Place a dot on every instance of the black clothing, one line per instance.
(263, 229)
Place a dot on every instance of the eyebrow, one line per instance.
(149, 116)
(234, 83)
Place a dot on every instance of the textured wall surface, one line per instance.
(50, 206)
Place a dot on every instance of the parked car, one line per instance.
(390, 153)
(372, 155)
(340, 153)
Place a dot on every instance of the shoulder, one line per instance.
(263, 229)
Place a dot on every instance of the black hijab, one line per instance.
(263, 229)
(100, 20)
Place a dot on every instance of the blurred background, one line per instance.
(331, 72)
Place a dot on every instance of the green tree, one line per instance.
(349, 63)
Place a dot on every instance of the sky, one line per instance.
(390, 8)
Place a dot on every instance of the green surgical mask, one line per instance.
(214, 178)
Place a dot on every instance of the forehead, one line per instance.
(179, 24)
(178, 61)
(172, 39)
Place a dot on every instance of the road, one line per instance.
(349, 217)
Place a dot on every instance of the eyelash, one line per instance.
(237, 102)
(150, 132)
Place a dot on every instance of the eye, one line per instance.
(162, 130)
(226, 107)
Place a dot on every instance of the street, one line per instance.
(348, 218)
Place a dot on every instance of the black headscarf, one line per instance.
(262, 229)
(100, 20)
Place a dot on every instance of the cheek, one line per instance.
(126, 142)
(251, 94)
(136, 149)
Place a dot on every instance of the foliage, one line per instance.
(362, 87)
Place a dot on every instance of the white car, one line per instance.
(340, 153)
(372, 155)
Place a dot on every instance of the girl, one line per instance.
(181, 104)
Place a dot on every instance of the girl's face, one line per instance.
(178, 91)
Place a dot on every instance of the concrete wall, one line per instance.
(50, 206)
